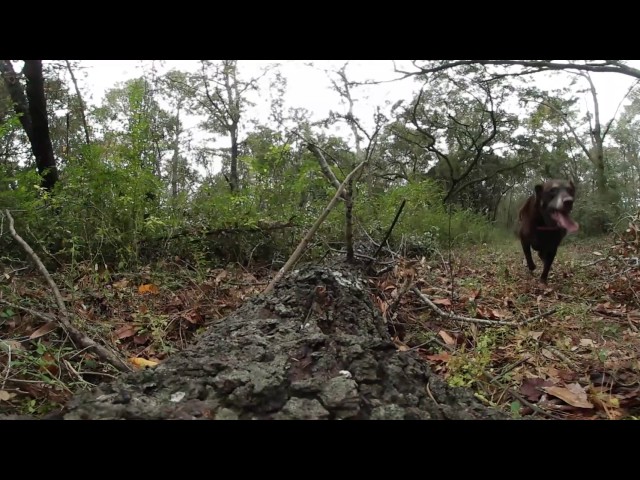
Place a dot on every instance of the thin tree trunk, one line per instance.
(82, 104)
(176, 156)
(233, 180)
(348, 231)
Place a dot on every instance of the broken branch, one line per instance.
(453, 316)
(76, 335)
(539, 316)
(388, 234)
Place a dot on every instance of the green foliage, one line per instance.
(104, 210)
(467, 367)
(426, 223)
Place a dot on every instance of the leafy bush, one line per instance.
(426, 223)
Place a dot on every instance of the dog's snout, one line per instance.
(568, 202)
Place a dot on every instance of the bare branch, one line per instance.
(309, 235)
(324, 165)
(490, 175)
(388, 234)
(610, 66)
(606, 130)
(453, 316)
(564, 119)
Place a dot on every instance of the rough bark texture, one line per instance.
(315, 348)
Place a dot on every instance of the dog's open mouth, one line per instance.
(565, 221)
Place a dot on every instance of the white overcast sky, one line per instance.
(309, 87)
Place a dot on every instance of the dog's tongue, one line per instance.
(565, 222)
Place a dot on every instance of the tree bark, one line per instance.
(41, 142)
(314, 348)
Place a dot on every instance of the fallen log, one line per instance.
(313, 348)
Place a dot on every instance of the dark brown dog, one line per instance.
(545, 220)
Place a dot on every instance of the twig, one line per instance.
(386, 236)
(44, 316)
(509, 368)
(16, 270)
(522, 400)
(570, 363)
(431, 395)
(307, 238)
(361, 255)
(76, 335)
(453, 316)
(401, 293)
(590, 264)
(539, 316)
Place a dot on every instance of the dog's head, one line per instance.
(555, 200)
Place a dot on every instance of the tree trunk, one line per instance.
(348, 224)
(40, 141)
(83, 116)
(176, 155)
(233, 175)
(313, 348)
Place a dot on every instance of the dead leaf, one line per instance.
(121, 284)
(12, 344)
(587, 342)
(597, 253)
(442, 301)
(534, 335)
(400, 345)
(142, 362)
(193, 317)
(443, 357)
(567, 375)
(141, 339)
(126, 331)
(43, 330)
(148, 288)
(448, 339)
(382, 305)
(221, 276)
(49, 364)
(6, 396)
(531, 387)
(548, 354)
(573, 394)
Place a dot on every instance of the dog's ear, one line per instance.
(573, 186)
(538, 189)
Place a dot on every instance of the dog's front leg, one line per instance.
(548, 258)
(526, 248)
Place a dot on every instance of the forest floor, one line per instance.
(569, 350)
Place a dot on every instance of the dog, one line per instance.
(545, 220)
